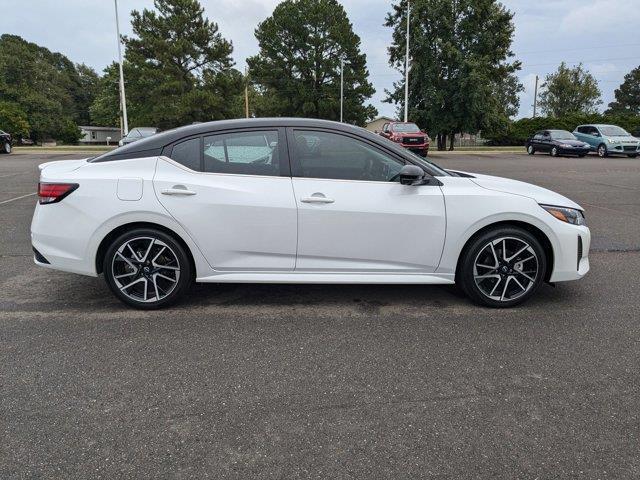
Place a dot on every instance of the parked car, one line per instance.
(556, 142)
(408, 135)
(608, 139)
(298, 201)
(5, 142)
(136, 134)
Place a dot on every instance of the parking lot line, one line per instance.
(18, 198)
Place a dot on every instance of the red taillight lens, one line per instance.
(54, 192)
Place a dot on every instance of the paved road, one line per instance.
(259, 381)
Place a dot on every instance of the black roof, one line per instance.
(153, 145)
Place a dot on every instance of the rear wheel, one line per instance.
(602, 151)
(531, 150)
(147, 269)
(502, 267)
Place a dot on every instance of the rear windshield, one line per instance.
(405, 128)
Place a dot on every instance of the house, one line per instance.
(99, 135)
(376, 125)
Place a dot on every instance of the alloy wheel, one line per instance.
(7, 147)
(554, 152)
(530, 150)
(602, 151)
(505, 269)
(145, 269)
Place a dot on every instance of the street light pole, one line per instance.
(535, 98)
(406, 70)
(123, 99)
(341, 87)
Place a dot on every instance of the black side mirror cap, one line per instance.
(411, 175)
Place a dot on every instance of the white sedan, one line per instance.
(298, 201)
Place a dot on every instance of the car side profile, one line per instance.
(608, 139)
(5, 142)
(408, 135)
(298, 201)
(555, 143)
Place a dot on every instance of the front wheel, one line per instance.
(632, 155)
(147, 269)
(531, 150)
(554, 152)
(502, 267)
(602, 151)
(6, 148)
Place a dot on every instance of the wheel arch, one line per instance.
(532, 229)
(119, 230)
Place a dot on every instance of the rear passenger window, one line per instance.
(187, 153)
(247, 153)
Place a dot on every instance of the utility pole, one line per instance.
(341, 87)
(406, 69)
(246, 91)
(535, 98)
(123, 99)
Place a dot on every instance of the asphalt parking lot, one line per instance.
(262, 381)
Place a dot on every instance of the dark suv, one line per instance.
(5, 142)
(408, 135)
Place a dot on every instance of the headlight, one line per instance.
(569, 215)
(566, 145)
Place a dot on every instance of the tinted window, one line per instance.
(537, 136)
(187, 153)
(248, 153)
(583, 129)
(329, 155)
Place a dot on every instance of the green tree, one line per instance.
(569, 90)
(461, 78)
(627, 95)
(297, 71)
(178, 67)
(46, 86)
(14, 120)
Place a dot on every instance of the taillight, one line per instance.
(54, 192)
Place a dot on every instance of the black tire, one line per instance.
(554, 151)
(166, 292)
(582, 155)
(531, 150)
(602, 151)
(6, 148)
(632, 155)
(466, 279)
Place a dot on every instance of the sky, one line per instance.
(603, 34)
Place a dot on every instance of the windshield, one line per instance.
(613, 131)
(562, 135)
(436, 170)
(405, 128)
(147, 132)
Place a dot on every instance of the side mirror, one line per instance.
(411, 175)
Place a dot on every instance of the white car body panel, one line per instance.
(250, 228)
(240, 222)
(368, 226)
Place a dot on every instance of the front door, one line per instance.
(354, 215)
(233, 194)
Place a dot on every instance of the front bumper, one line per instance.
(571, 253)
(573, 150)
(622, 149)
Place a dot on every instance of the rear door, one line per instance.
(353, 214)
(232, 192)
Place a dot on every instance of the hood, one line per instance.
(622, 138)
(575, 143)
(515, 187)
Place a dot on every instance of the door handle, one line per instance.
(177, 190)
(316, 200)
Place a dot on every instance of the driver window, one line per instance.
(247, 153)
(334, 156)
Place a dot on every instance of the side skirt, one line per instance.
(292, 277)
